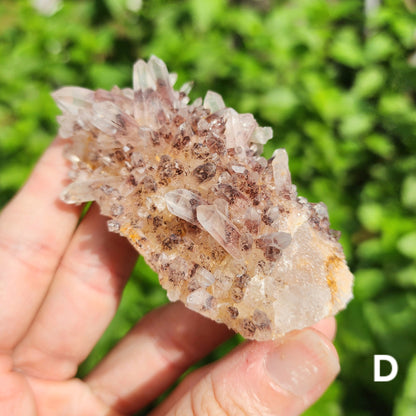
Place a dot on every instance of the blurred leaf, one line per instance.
(356, 124)
(346, 47)
(205, 12)
(371, 216)
(371, 250)
(389, 317)
(407, 277)
(379, 46)
(105, 76)
(329, 404)
(368, 283)
(407, 245)
(381, 145)
(395, 104)
(409, 192)
(406, 403)
(354, 338)
(13, 176)
(120, 9)
(278, 103)
(369, 81)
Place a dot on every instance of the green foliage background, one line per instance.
(337, 85)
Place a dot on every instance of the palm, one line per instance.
(60, 286)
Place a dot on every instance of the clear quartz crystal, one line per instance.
(183, 204)
(262, 135)
(204, 277)
(73, 99)
(213, 102)
(220, 228)
(280, 239)
(185, 183)
(113, 226)
(239, 128)
(281, 173)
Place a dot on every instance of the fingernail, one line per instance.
(304, 362)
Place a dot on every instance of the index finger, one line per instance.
(35, 228)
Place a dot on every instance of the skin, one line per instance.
(60, 285)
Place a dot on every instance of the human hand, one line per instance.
(60, 285)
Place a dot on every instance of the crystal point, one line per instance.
(183, 204)
(71, 99)
(220, 228)
(281, 173)
(213, 102)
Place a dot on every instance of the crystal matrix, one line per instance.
(185, 183)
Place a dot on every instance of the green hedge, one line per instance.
(337, 85)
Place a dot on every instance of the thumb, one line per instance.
(283, 377)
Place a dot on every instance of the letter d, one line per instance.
(394, 368)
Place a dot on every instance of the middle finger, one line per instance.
(81, 302)
(153, 355)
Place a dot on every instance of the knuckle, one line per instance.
(220, 406)
(172, 343)
(212, 399)
(227, 400)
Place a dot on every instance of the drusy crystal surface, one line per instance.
(186, 183)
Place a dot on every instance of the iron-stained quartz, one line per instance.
(186, 183)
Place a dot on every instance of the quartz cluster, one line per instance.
(186, 183)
